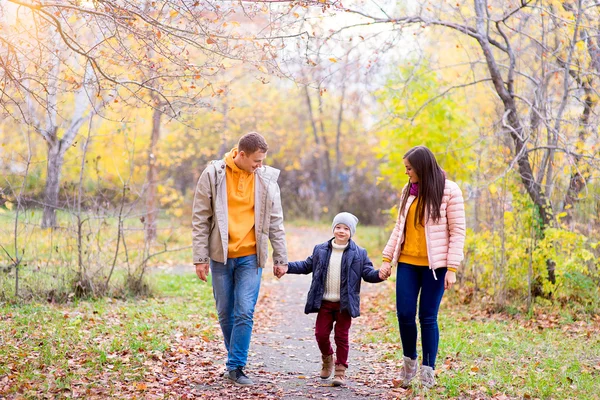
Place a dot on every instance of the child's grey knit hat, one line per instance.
(347, 219)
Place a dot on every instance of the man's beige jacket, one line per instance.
(210, 221)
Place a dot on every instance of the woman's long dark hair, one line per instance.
(432, 180)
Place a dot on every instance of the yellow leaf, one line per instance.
(263, 69)
(173, 13)
(492, 188)
(234, 23)
(333, 60)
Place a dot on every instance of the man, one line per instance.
(237, 208)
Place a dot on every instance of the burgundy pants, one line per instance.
(328, 314)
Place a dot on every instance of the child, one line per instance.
(337, 266)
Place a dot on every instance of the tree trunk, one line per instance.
(53, 171)
(58, 147)
(320, 170)
(152, 176)
(577, 179)
(324, 148)
(223, 148)
(513, 124)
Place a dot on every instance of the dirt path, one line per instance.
(287, 351)
(284, 359)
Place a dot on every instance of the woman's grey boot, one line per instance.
(409, 371)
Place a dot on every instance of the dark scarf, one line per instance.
(414, 189)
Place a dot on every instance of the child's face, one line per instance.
(341, 233)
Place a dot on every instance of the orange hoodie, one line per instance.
(240, 209)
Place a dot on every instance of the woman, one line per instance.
(427, 246)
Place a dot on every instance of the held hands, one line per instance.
(450, 279)
(202, 271)
(280, 270)
(385, 271)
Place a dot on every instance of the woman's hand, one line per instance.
(450, 279)
(385, 271)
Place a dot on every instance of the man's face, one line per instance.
(250, 162)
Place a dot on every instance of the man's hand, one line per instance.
(280, 270)
(202, 271)
(450, 279)
(385, 271)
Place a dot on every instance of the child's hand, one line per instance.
(280, 270)
(385, 271)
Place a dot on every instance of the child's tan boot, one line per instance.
(409, 371)
(339, 378)
(327, 368)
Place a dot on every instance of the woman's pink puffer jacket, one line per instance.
(445, 238)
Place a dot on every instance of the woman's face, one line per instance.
(410, 172)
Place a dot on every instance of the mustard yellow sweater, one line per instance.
(414, 248)
(240, 209)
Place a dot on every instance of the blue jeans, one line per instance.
(410, 280)
(235, 287)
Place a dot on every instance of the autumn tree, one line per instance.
(541, 61)
(164, 54)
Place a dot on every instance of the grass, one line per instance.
(46, 347)
(51, 263)
(505, 357)
(50, 258)
(481, 356)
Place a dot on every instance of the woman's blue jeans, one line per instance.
(235, 287)
(411, 280)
